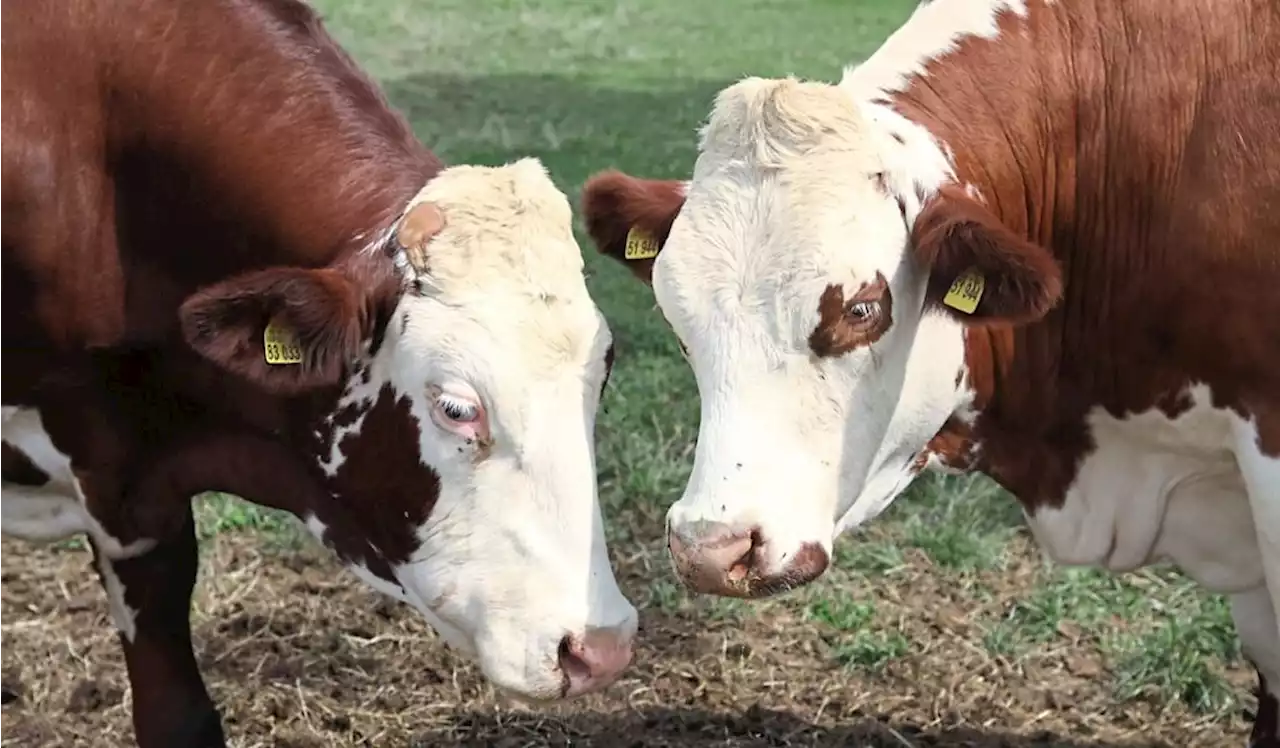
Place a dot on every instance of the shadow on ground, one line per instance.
(756, 727)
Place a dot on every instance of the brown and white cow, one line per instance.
(1040, 240)
(183, 181)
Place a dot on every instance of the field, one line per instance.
(940, 625)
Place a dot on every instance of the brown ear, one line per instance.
(317, 317)
(956, 237)
(621, 209)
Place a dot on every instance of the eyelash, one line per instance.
(457, 411)
(863, 310)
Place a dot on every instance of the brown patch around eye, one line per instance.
(848, 323)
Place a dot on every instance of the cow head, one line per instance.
(806, 269)
(458, 362)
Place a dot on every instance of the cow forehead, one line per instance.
(787, 197)
(503, 277)
(502, 345)
(508, 230)
(784, 223)
(773, 122)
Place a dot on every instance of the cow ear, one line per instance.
(286, 329)
(418, 227)
(629, 219)
(979, 271)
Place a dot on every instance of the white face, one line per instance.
(513, 555)
(810, 424)
(494, 366)
(790, 441)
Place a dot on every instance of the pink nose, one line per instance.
(717, 559)
(593, 660)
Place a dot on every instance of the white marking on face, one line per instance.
(501, 357)
(358, 395)
(452, 635)
(1158, 489)
(785, 201)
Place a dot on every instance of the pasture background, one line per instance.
(938, 625)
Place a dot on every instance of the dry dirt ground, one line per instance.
(298, 654)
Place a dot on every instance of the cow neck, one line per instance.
(989, 117)
(302, 161)
(303, 164)
(1046, 149)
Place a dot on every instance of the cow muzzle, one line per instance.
(593, 660)
(714, 558)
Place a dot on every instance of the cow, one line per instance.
(1037, 240)
(228, 265)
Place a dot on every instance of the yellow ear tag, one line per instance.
(965, 292)
(640, 246)
(280, 345)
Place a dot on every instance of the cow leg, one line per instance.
(1255, 619)
(1254, 613)
(150, 597)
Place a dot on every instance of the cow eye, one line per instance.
(457, 411)
(863, 311)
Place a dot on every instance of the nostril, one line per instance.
(674, 544)
(572, 664)
(594, 659)
(741, 568)
(710, 555)
(808, 563)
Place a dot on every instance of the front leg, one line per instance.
(150, 598)
(1257, 452)
(1255, 619)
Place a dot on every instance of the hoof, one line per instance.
(205, 730)
(201, 728)
(1265, 727)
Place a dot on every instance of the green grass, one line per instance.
(590, 84)
(1174, 654)
(857, 641)
(961, 523)
(870, 650)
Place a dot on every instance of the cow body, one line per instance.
(183, 181)
(1106, 171)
